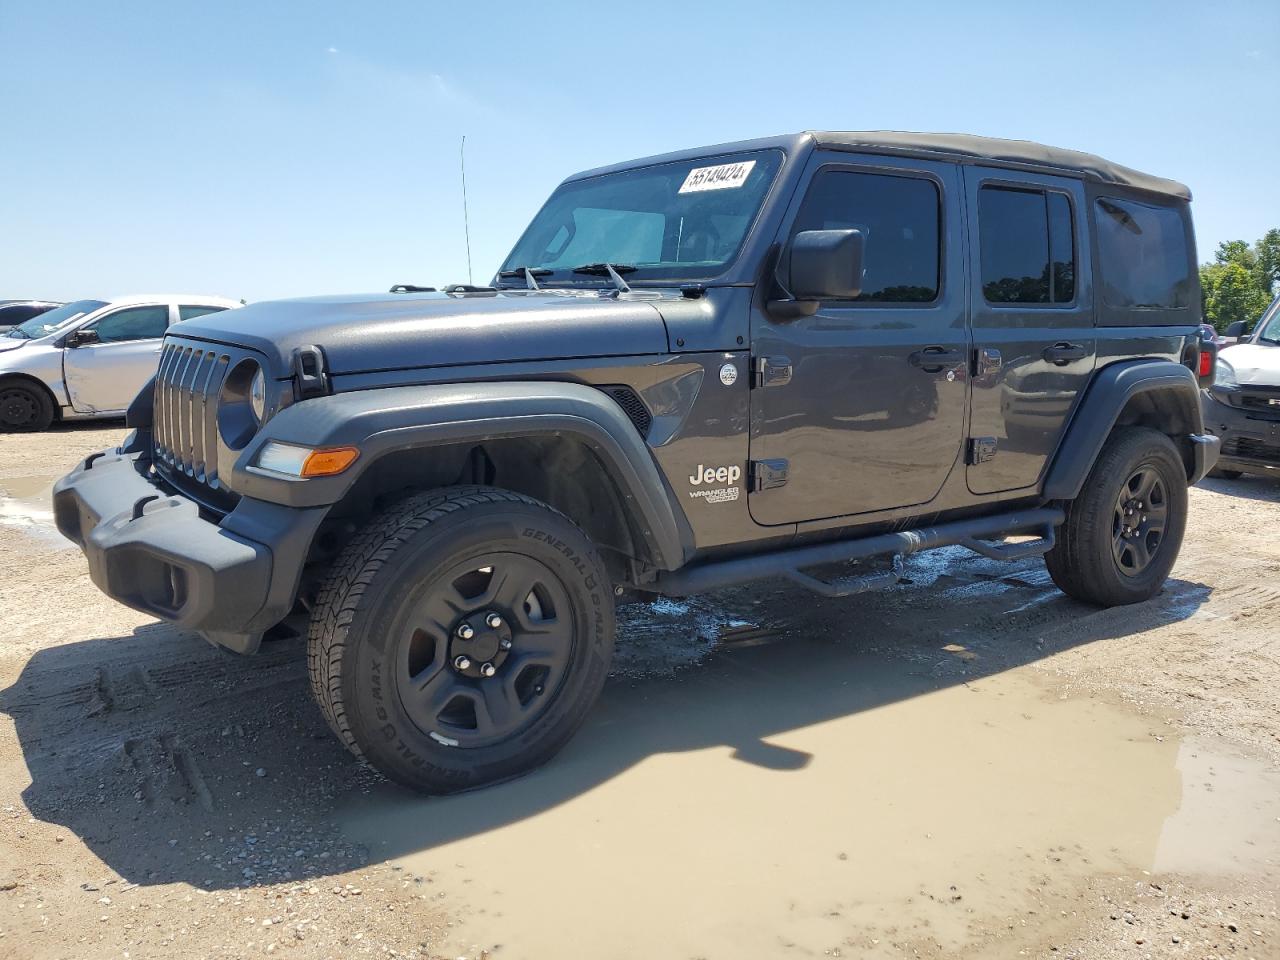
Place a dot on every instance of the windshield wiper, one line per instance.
(527, 274)
(613, 271)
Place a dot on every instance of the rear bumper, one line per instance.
(1250, 443)
(152, 550)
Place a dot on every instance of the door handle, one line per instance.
(933, 359)
(1063, 353)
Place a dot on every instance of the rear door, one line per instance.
(104, 377)
(863, 403)
(1033, 332)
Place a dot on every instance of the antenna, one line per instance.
(466, 220)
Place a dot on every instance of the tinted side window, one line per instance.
(136, 323)
(1143, 255)
(190, 312)
(1028, 246)
(899, 218)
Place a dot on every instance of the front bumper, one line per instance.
(152, 550)
(1250, 442)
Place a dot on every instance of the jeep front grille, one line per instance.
(186, 445)
(186, 410)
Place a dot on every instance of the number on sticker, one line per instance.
(727, 176)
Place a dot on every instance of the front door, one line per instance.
(104, 377)
(865, 400)
(1032, 315)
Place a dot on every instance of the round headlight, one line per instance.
(242, 404)
(258, 395)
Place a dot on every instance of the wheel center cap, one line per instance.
(479, 644)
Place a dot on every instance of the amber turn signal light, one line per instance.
(328, 462)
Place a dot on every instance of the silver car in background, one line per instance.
(88, 358)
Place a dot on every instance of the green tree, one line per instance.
(1268, 255)
(1241, 281)
(1236, 251)
(1231, 293)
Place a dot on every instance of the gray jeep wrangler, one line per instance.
(707, 368)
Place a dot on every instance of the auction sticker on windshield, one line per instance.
(726, 176)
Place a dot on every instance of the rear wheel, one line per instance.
(1123, 532)
(24, 406)
(462, 638)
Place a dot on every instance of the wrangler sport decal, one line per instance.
(728, 477)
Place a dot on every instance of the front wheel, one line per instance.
(1122, 533)
(24, 407)
(462, 638)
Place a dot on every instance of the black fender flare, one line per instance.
(1111, 390)
(381, 421)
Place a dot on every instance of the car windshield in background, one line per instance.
(54, 320)
(674, 221)
(1269, 325)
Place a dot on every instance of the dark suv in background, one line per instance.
(693, 370)
(14, 312)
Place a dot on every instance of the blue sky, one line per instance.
(264, 150)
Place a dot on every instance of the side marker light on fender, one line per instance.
(330, 461)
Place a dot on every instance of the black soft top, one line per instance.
(956, 147)
(1018, 153)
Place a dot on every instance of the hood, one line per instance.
(387, 332)
(10, 343)
(1256, 363)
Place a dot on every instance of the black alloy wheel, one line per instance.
(1141, 514)
(486, 650)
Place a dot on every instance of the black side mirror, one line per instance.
(821, 265)
(1237, 329)
(82, 338)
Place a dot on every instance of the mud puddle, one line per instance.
(28, 502)
(800, 799)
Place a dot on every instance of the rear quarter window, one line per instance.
(1143, 259)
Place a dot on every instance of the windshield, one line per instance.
(673, 221)
(1269, 325)
(54, 320)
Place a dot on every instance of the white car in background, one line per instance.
(88, 358)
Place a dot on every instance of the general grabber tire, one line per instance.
(1122, 533)
(461, 638)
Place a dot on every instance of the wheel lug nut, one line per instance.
(462, 662)
(505, 644)
(465, 631)
(488, 670)
(493, 620)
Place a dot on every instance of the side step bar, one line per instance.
(790, 562)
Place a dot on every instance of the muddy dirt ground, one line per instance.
(969, 765)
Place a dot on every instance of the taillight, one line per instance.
(1206, 364)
